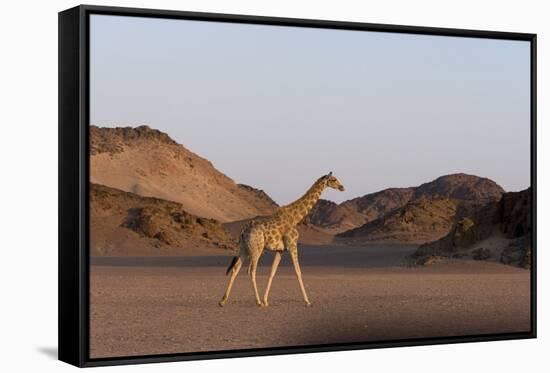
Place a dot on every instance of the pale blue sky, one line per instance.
(276, 107)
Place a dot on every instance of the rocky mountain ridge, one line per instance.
(124, 223)
(147, 162)
(396, 214)
(500, 231)
(144, 162)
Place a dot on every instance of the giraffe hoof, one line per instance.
(308, 304)
(259, 304)
(221, 303)
(265, 304)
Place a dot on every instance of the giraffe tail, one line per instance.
(233, 262)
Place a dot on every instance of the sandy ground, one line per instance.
(142, 306)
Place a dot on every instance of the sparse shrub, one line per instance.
(432, 259)
(465, 232)
(481, 254)
(425, 260)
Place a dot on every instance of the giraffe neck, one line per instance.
(297, 210)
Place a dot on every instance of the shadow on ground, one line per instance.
(50, 352)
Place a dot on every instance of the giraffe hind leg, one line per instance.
(234, 270)
(252, 247)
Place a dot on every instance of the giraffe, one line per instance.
(276, 233)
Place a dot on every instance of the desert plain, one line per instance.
(148, 305)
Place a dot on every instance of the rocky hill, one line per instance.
(382, 216)
(421, 220)
(260, 197)
(498, 231)
(355, 212)
(461, 187)
(125, 223)
(149, 163)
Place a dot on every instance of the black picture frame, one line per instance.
(74, 182)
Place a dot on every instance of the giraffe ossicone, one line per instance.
(276, 233)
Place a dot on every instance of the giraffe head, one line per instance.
(332, 182)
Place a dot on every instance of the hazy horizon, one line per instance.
(277, 107)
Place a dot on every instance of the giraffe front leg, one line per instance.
(274, 266)
(294, 256)
(253, 267)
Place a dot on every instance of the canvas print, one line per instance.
(258, 186)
